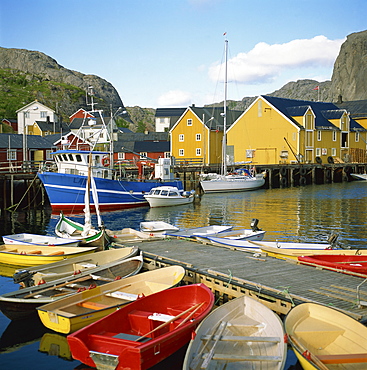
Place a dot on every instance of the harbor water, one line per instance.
(299, 214)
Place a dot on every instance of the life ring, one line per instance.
(303, 171)
(302, 181)
(106, 161)
(283, 171)
(328, 174)
(284, 181)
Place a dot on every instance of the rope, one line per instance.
(25, 193)
(286, 293)
(228, 283)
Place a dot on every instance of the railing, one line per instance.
(194, 162)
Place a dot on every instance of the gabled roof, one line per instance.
(169, 112)
(51, 126)
(356, 108)
(32, 103)
(152, 146)
(323, 111)
(15, 141)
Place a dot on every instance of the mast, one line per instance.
(224, 142)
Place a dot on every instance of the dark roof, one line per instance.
(51, 126)
(141, 136)
(16, 141)
(169, 112)
(124, 130)
(357, 108)
(322, 110)
(205, 113)
(152, 146)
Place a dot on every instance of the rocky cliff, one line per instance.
(349, 79)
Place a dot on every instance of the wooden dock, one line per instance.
(279, 284)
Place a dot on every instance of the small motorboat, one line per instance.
(72, 266)
(33, 255)
(79, 310)
(326, 339)
(359, 176)
(240, 334)
(351, 264)
(157, 228)
(165, 196)
(144, 332)
(41, 240)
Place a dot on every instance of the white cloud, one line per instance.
(265, 62)
(175, 98)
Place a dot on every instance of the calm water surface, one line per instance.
(307, 214)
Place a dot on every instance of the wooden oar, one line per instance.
(210, 355)
(351, 262)
(194, 363)
(169, 321)
(303, 349)
(58, 286)
(189, 316)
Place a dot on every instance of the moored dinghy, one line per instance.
(41, 240)
(240, 334)
(71, 266)
(73, 313)
(326, 339)
(199, 231)
(144, 332)
(166, 196)
(22, 303)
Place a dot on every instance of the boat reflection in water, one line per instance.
(55, 345)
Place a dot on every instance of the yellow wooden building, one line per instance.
(276, 130)
(197, 135)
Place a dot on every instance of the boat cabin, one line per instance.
(76, 162)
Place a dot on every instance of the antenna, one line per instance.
(91, 94)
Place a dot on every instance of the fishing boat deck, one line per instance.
(279, 284)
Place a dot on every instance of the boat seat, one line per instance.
(123, 295)
(12, 251)
(234, 358)
(83, 265)
(348, 358)
(57, 253)
(235, 338)
(93, 305)
(34, 252)
(160, 317)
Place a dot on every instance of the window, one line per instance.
(43, 114)
(344, 140)
(11, 154)
(334, 135)
(198, 151)
(181, 137)
(48, 155)
(357, 137)
(318, 152)
(120, 156)
(189, 122)
(167, 155)
(181, 152)
(143, 155)
(198, 137)
(333, 152)
(318, 135)
(309, 121)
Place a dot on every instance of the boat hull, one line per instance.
(224, 184)
(168, 202)
(115, 336)
(40, 240)
(66, 192)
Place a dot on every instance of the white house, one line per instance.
(32, 112)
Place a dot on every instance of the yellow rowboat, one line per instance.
(295, 253)
(73, 313)
(30, 255)
(326, 339)
(71, 266)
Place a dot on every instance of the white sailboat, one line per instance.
(240, 180)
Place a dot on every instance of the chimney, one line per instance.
(340, 99)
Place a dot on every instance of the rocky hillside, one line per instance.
(28, 75)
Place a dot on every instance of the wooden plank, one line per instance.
(348, 358)
(233, 338)
(234, 358)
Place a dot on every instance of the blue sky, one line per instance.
(170, 53)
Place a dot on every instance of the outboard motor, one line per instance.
(254, 223)
(332, 239)
(25, 277)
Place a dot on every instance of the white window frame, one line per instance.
(167, 155)
(357, 137)
(198, 137)
(181, 138)
(333, 152)
(48, 154)
(318, 152)
(143, 155)
(181, 152)
(43, 114)
(189, 122)
(198, 152)
(11, 155)
(121, 156)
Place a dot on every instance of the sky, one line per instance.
(170, 53)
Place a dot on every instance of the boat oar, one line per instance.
(303, 349)
(169, 321)
(210, 355)
(58, 286)
(189, 316)
(194, 363)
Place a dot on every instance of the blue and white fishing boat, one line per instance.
(67, 185)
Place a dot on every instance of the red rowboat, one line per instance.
(347, 264)
(144, 332)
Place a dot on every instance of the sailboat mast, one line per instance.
(224, 142)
